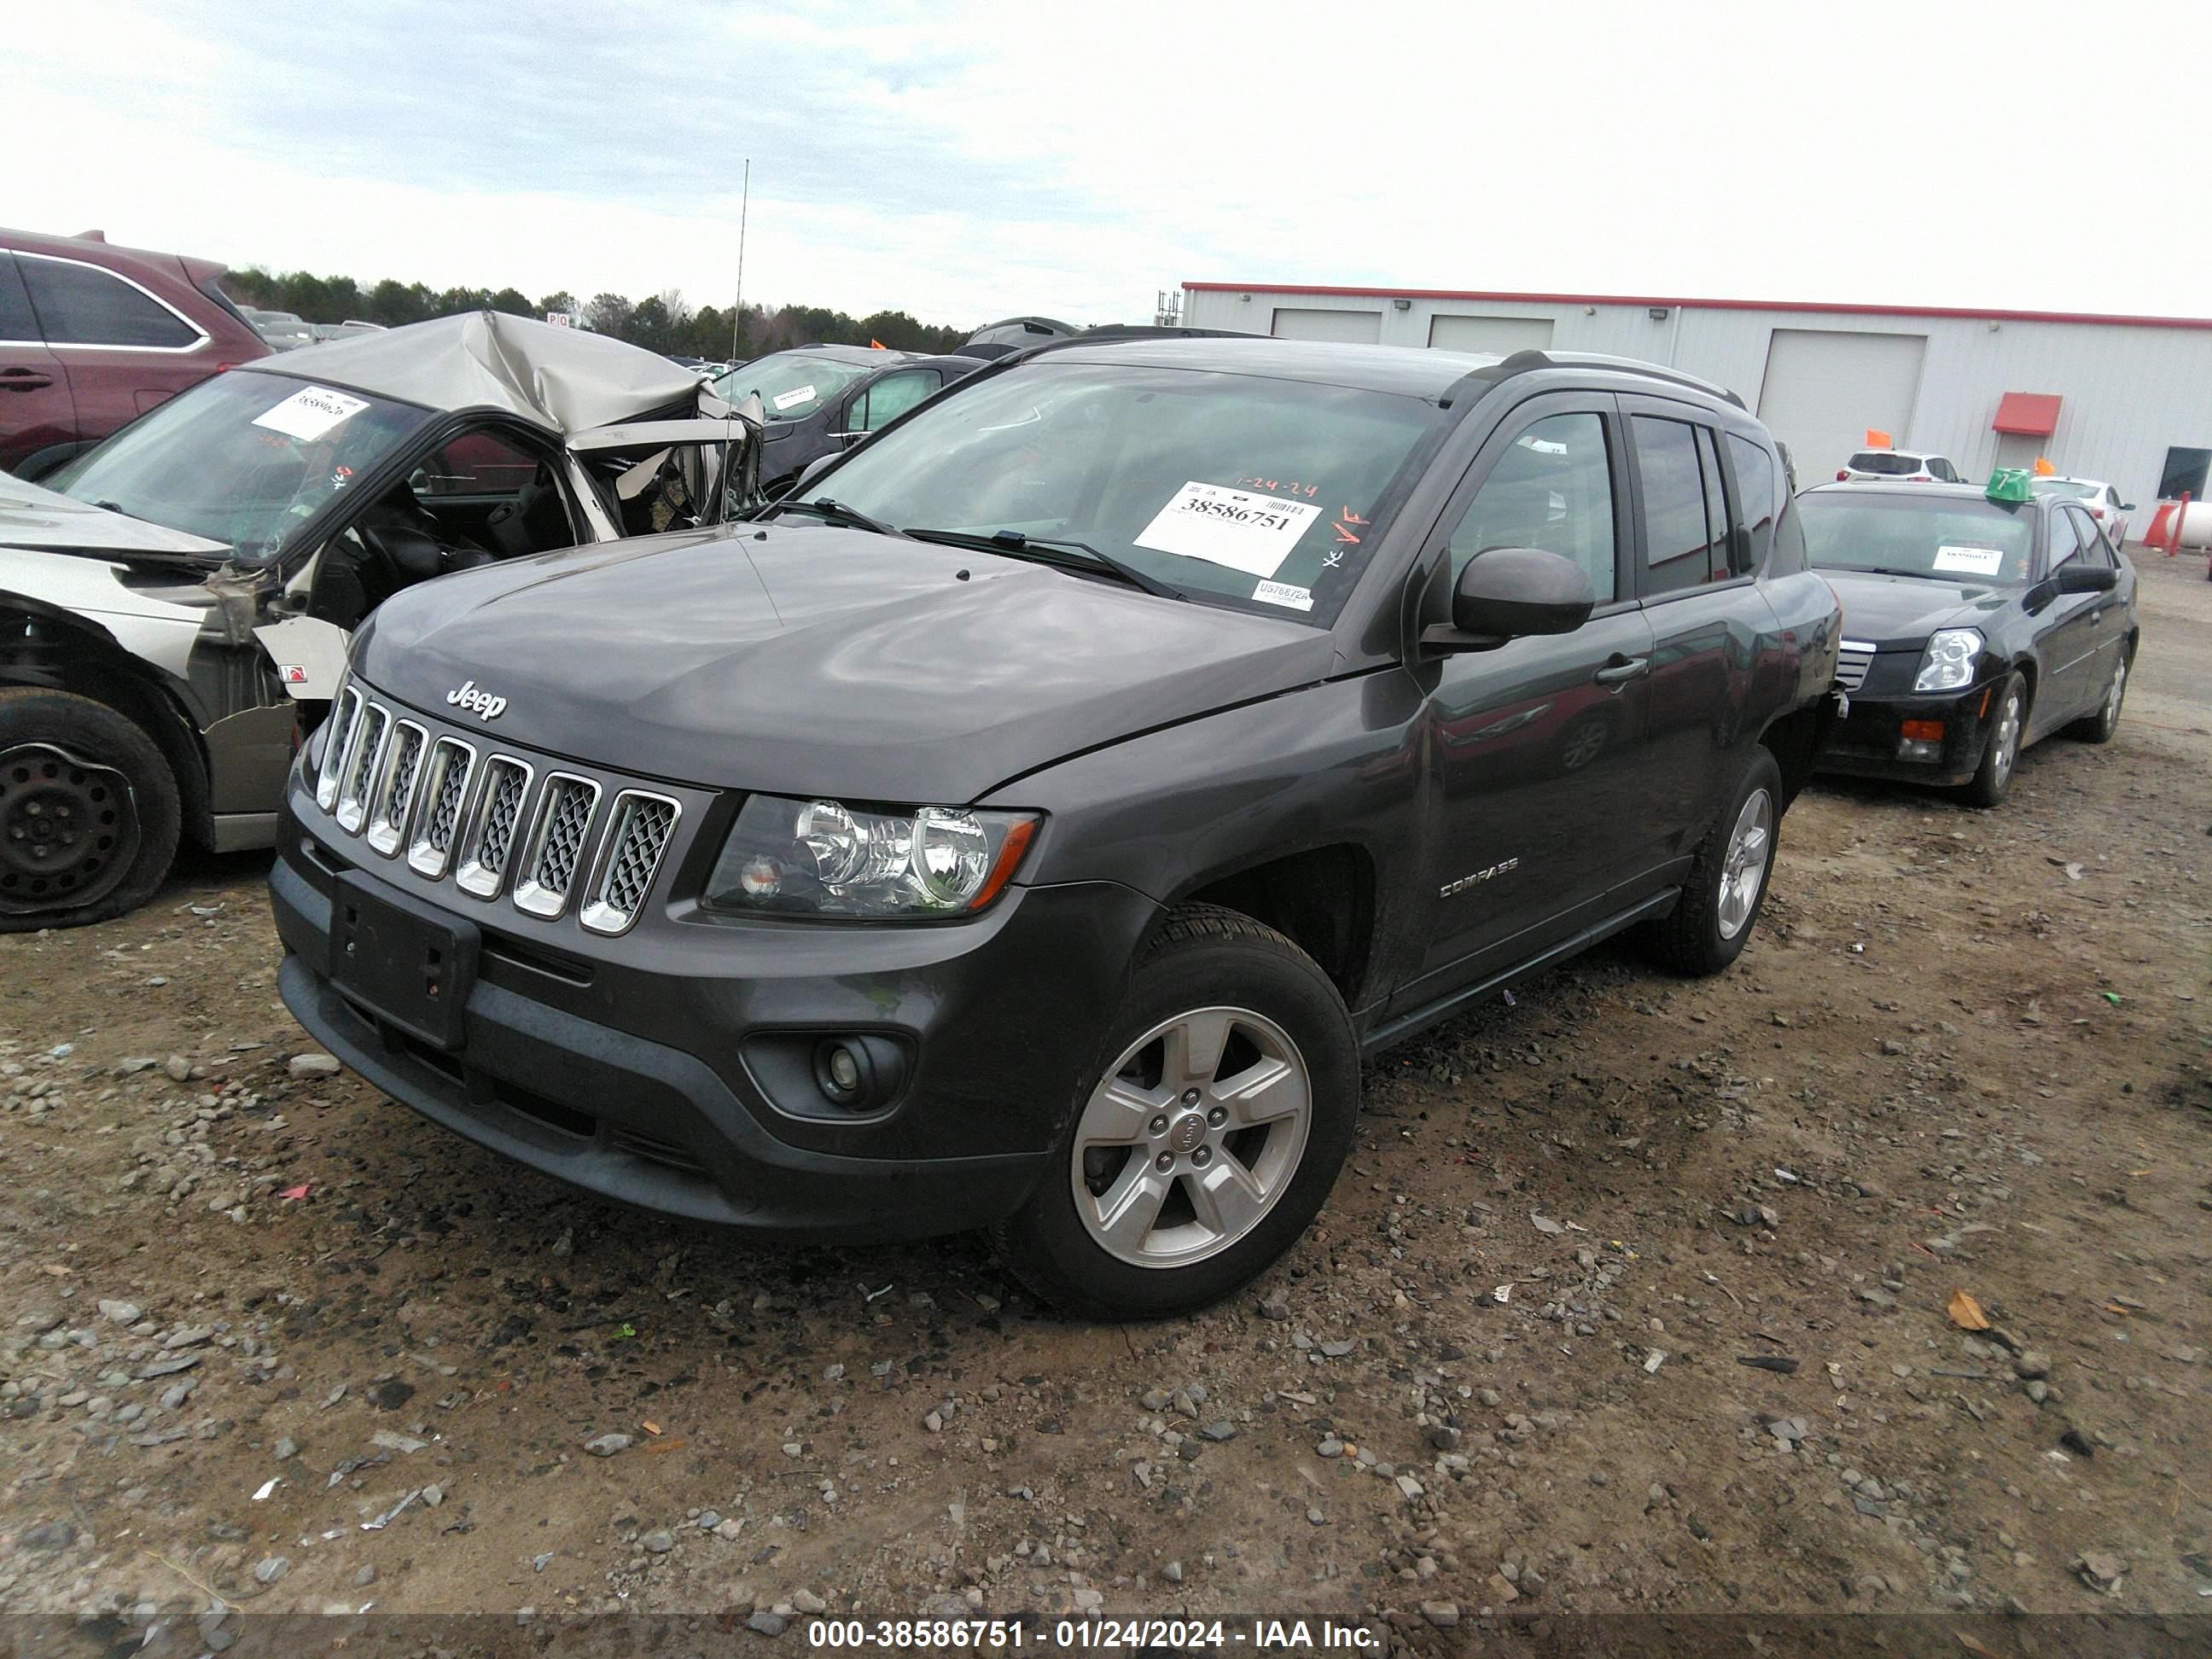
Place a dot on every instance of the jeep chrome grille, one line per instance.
(364, 749)
(343, 713)
(395, 788)
(490, 833)
(638, 834)
(1852, 661)
(441, 785)
(554, 845)
(493, 822)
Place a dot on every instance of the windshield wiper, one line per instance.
(838, 513)
(1017, 543)
(1887, 570)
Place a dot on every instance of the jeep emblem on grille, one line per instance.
(482, 704)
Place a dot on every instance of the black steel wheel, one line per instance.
(89, 811)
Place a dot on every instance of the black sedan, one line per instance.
(1976, 621)
(821, 399)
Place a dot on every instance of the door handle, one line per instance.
(1620, 670)
(23, 379)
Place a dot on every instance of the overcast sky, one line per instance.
(965, 162)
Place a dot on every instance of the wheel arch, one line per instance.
(1321, 898)
(1795, 739)
(44, 646)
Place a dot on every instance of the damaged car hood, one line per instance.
(45, 521)
(818, 660)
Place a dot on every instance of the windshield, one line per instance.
(791, 385)
(1885, 463)
(1949, 540)
(2069, 486)
(243, 457)
(1258, 493)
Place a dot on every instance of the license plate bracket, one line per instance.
(402, 959)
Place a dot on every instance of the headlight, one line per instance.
(1949, 662)
(822, 858)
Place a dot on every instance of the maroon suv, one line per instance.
(92, 336)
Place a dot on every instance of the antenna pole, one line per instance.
(737, 310)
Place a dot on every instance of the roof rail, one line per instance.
(1526, 363)
(1109, 333)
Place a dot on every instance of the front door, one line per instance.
(1537, 749)
(2067, 634)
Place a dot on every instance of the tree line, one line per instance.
(663, 322)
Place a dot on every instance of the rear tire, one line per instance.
(1992, 779)
(1220, 1113)
(1721, 900)
(89, 813)
(2100, 726)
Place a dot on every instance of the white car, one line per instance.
(1912, 465)
(2103, 502)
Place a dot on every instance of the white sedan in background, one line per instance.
(2103, 502)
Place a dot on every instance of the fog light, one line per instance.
(1918, 749)
(1922, 730)
(858, 1073)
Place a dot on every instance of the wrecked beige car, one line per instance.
(170, 598)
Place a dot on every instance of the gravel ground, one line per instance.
(1638, 1294)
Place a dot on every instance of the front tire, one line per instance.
(1709, 926)
(1219, 1113)
(1992, 779)
(89, 813)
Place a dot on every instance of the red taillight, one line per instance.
(1922, 477)
(2096, 512)
(1845, 476)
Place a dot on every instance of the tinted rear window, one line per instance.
(1885, 463)
(16, 322)
(83, 304)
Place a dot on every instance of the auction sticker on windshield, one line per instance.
(792, 399)
(310, 412)
(1247, 533)
(1970, 561)
(1298, 599)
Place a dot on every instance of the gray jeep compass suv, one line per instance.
(1030, 822)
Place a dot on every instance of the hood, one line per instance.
(31, 517)
(1904, 611)
(818, 660)
(564, 380)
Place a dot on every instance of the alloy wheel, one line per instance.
(1194, 1136)
(1743, 866)
(2007, 739)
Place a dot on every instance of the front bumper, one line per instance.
(1868, 742)
(628, 1067)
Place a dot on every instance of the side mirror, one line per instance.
(1506, 592)
(2127, 506)
(2078, 577)
(813, 470)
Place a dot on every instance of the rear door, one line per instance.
(1537, 749)
(1694, 573)
(36, 409)
(125, 349)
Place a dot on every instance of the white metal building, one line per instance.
(2128, 399)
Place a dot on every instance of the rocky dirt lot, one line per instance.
(1638, 1294)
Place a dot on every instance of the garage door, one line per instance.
(1359, 327)
(1503, 336)
(1824, 388)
